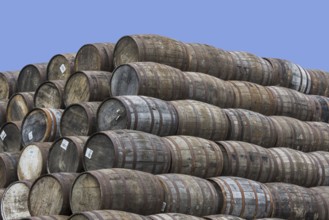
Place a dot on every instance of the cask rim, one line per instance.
(71, 82)
(98, 57)
(53, 86)
(20, 97)
(133, 48)
(132, 76)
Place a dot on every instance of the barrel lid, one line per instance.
(78, 114)
(88, 58)
(51, 98)
(126, 51)
(59, 66)
(77, 89)
(124, 81)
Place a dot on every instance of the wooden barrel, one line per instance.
(222, 217)
(32, 162)
(243, 198)
(87, 86)
(251, 127)
(50, 94)
(41, 125)
(8, 168)
(194, 156)
(10, 137)
(14, 202)
(127, 149)
(66, 154)
(249, 161)
(253, 97)
(252, 68)
(277, 70)
(107, 215)
(3, 109)
(118, 189)
(322, 104)
(2, 190)
(320, 82)
(140, 113)
(154, 48)
(49, 194)
(51, 217)
(322, 160)
(173, 216)
(19, 105)
(293, 133)
(292, 201)
(189, 195)
(295, 167)
(97, 56)
(31, 76)
(201, 120)
(61, 66)
(79, 119)
(8, 84)
(321, 195)
(323, 138)
(210, 60)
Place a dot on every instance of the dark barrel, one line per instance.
(66, 154)
(97, 56)
(201, 120)
(322, 129)
(292, 202)
(61, 66)
(322, 108)
(222, 217)
(295, 167)
(321, 158)
(321, 195)
(140, 113)
(79, 119)
(194, 156)
(154, 48)
(107, 215)
(33, 160)
(8, 168)
(189, 195)
(8, 84)
(50, 94)
(10, 137)
(247, 160)
(3, 109)
(118, 189)
(14, 202)
(51, 217)
(31, 76)
(49, 194)
(251, 127)
(173, 216)
(87, 86)
(41, 125)
(253, 97)
(128, 149)
(19, 105)
(320, 82)
(243, 198)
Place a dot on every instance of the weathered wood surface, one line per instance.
(66, 154)
(32, 162)
(50, 94)
(51, 217)
(127, 149)
(321, 195)
(173, 216)
(19, 105)
(8, 168)
(3, 109)
(321, 158)
(8, 84)
(118, 189)
(41, 125)
(49, 194)
(87, 86)
(14, 202)
(10, 137)
(251, 127)
(247, 160)
(222, 217)
(140, 113)
(61, 66)
(107, 215)
(292, 202)
(31, 76)
(320, 82)
(189, 195)
(321, 107)
(201, 120)
(96, 56)
(194, 156)
(79, 119)
(243, 198)
(320, 130)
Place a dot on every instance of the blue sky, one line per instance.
(35, 30)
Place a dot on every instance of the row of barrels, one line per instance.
(165, 118)
(172, 154)
(167, 83)
(146, 194)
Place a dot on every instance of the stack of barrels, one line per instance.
(157, 129)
